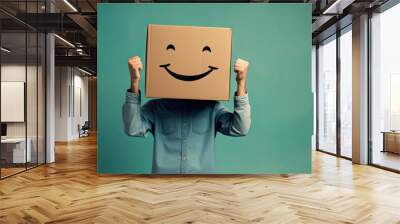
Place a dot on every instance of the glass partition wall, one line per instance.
(334, 94)
(13, 86)
(22, 77)
(385, 89)
(327, 95)
(345, 62)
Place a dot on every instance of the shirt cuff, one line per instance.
(241, 100)
(132, 97)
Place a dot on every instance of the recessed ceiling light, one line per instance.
(5, 50)
(84, 71)
(338, 6)
(70, 5)
(65, 41)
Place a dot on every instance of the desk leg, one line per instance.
(384, 143)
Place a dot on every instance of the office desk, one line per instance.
(13, 150)
(391, 141)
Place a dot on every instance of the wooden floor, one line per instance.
(70, 191)
(387, 159)
(5, 172)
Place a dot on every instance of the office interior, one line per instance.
(334, 93)
(32, 117)
(48, 86)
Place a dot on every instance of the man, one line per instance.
(184, 130)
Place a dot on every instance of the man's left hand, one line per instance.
(241, 67)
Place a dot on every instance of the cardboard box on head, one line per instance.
(188, 62)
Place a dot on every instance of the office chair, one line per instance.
(84, 130)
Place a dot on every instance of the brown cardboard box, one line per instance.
(188, 62)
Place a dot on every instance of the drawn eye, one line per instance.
(207, 48)
(170, 47)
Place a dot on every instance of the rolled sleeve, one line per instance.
(138, 120)
(236, 123)
(241, 101)
(132, 97)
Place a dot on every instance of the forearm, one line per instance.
(241, 88)
(135, 87)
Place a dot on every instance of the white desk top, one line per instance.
(12, 140)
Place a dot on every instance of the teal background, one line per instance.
(274, 38)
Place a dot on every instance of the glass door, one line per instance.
(326, 93)
(346, 92)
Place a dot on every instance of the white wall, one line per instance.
(79, 117)
(70, 83)
(16, 72)
(13, 101)
(33, 127)
(62, 82)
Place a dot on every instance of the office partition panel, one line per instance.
(15, 150)
(22, 63)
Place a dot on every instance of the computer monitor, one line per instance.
(3, 129)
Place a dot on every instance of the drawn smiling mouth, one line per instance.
(188, 77)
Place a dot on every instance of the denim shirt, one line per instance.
(184, 130)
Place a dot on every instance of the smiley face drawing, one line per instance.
(188, 77)
(188, 62)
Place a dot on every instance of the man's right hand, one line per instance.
(135, 67)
